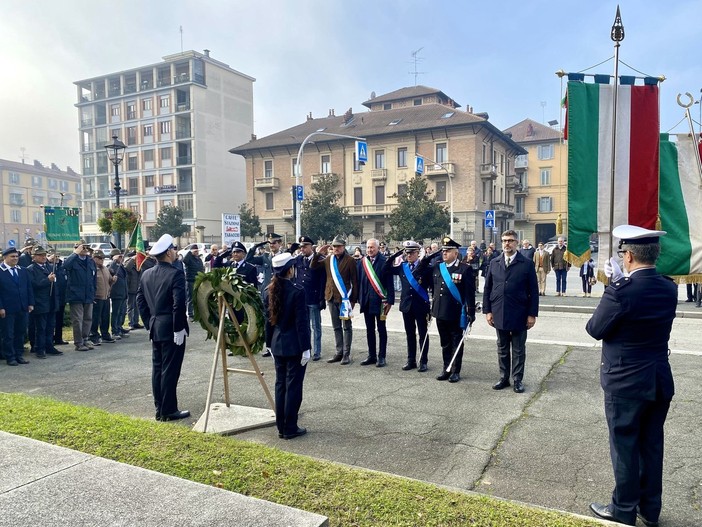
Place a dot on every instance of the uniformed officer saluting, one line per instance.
(633, 320)
(245, 269)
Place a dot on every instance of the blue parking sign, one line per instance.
(300, 193)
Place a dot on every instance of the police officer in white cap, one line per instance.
(633, 320)
(161, 301)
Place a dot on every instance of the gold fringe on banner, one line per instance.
(559, 225)
(574, 259)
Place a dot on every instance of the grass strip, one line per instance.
(349, 497)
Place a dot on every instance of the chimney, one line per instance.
(309, 116)
(37, 164)
(54, 167)
(207, 53)
(331, 112)
(348, 116)
(253, 137)
(70, 171)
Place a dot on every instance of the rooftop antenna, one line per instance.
(181, 39)
(415, 61)
(543, 112)
(23, 156)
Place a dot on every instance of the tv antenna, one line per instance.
(416, 59)
(24, 155)
(181, 38)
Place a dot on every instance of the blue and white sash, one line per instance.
(413, 282)
(454, 292)
(345, 311)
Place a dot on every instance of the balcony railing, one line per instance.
(521, 216)
(521, 161)
(371, 210)
(521, 190)
(379, 174)
(88, 147)
(184, 160)
(440, 169)
(488, 171)
(267, 183)
(86, 122)
(503, 209)
(130, 88)
(287, 213)
(180, 78)
(183, 134)
(182, 106)
(511, 181)
(316, 178)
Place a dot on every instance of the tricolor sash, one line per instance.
(413, 282)
(373, 279)
(345, 311)
(454, 292)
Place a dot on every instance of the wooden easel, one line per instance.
(225, 309)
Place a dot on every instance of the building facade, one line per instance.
(24, 190)
(469, 163)
(541, 191)
(177, 118)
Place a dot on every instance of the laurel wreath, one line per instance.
(242, 296)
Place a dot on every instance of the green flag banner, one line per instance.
(62, 224)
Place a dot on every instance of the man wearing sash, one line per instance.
(341, 293)
(376, 296)
(415, 275)
(511, 305)
(453, 306)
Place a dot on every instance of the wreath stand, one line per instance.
(234, 418)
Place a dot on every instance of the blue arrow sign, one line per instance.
(419, 165)
(11, 243)
(300, 193)
(361, 151)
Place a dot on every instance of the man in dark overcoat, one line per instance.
(16, 302)
(245, 269)
(511, 305)
(313, 281)
(46, 297)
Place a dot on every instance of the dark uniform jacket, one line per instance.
(132, 275)
(247, 271)
(81, 279)
(410, 301)
(369, 300)
(119, 288)
(313, 281)
(15, 297)
(511, 294)
(348, 271)
(46, 297)
(633, 320)
(161, 301)
(445, 306)
(291, 335)
(193, 265)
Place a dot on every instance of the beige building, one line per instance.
(468, 163)
(541, 192)
(24, 190)
(178, 118)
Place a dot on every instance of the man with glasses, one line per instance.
(633, 320)
(511, 305)
(161, 300)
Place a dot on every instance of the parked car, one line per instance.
(550, 246)
(102, 246)
(204, 250)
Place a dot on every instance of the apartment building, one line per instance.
(541, 191)
(468, 163)
(177, 118)
(24, 190)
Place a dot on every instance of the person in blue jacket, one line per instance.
(80, 293)
(16, 302)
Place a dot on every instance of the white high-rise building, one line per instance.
(178, 119)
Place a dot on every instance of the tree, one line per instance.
(169, 221)
(117, 220)
(250, 224)
(323, 217)
(418, 216)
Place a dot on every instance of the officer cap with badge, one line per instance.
(633, 235)
(273, 237)
(410, 246)
(238, 246)
(10, 250)
(305, 240)
(447, 244)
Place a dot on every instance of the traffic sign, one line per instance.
(361, 152)
(489, 224)
(419, 165)
(300, 193)
(490, 215)
(11, 243)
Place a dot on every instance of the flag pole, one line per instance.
(617, 36)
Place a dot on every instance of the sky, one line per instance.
(499, 57)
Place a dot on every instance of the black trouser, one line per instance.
(412, 321)
(14, 326)
(58, 322)
(450, 335)
(166, 361)
(43, 332)
(371, 321)
(289, 374)
(516, 340)
(100, 326)
(636, 449)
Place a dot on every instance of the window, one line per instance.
(166, 153)
(417, 102)
(131, 110)
(484, 153)
(402, 157)
(485, 191)
(502, 163)
(16, 216)
(387, 106)
(165, 127)
(164, 101)
(441, 156)
(394, 122)
(269, 201)
(132, 162)
(379, 227)
(185, 202)
(380, 159)
(268, 169)
(293, 166)
(447, 115)
(38, 217)
(380, 195)
(146, 104)
(545, 177)
(148, 156)
(358, 195)
(545, 151)
(133, 186)
(14, 178)
(150, 210)
(77, 188)
(38, 198)
(326, 164)
(115, 132)
(114, 110)
(53, 183)
(16, 198)
(64, 186)
(131, 135)
(401, 190)
(545, 204)
(149, 180)
(441, 191)
(148, 130)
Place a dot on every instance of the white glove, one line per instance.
(305, 357)
(612, 270)
(179, 338)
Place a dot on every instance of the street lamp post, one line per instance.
(115, 152)
(298, 174)
(450, 180)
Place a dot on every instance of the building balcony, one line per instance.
(440, 169)
(521, 190)
(521, 162)
(182, 107)
(488, 171)
(379, 174)
(184, 160)
(180, 78)
(521, 216)
(287, 214)
(511, 181)
(183, 134)
(316, 178)
(267, 183)
(84, 123)
(503, 210)
(371, 210)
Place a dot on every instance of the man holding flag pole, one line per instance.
(133, 267)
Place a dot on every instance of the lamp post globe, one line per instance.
(115, 152)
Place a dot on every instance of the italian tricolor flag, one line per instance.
(635, 194)
(681, 209)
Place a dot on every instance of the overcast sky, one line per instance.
(313, 55)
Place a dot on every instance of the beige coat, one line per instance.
(542, 261)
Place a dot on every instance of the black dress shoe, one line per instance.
(12, 363)
(422, 367)
(266, 354)
(368, 361)
(603, 511)
(346, 360)
(409, 366)
(644, 520)
(443, 377)
(381, 363)
(299, 432)
(501, 384)
(54, 352)
(455, 377)
(316, 358)
(518, 387)
(60, 343)
(22, 361)
(280, 435)
(42, 356)
(180, 414)
(335, 358)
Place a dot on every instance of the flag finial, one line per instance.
(617, 28)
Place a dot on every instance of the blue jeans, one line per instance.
(189, 298)
(316, 325)
(119, 313)
(561, 275)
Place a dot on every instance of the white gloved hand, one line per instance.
(305, 357)
(612, 270)
(179, 337)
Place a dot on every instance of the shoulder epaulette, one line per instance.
(622, 282)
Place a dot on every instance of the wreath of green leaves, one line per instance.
(242, 296)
